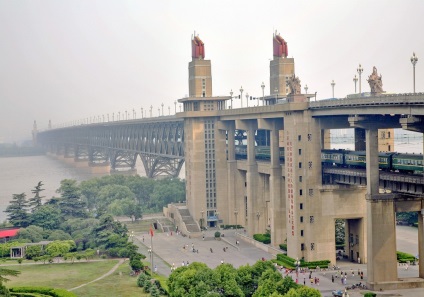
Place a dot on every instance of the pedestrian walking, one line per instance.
(332, 278)
(211, 250)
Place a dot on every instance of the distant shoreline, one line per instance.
(8, 152)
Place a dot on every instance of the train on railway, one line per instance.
(389, 161)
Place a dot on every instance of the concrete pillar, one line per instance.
(359, 139)
(252, 178)
(278, 202)
(421, 243)
(373, 174)
(231, 175)
(381, 244)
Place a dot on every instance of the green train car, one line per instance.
(407, 163)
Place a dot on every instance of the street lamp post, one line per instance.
(151, 110)
(236, 213)
(231, 95)
(201, 222)
(414, 60)
(119, 115)
(162, 109)
(126, 115)
(355, 80)
(142, 112)
(241, 96)
(276, 95)
(247, 99)
(169, 110)
(263, 93)
(306, 89)
(175, 106)
(360, 70)
(158, 111)
(332, 85)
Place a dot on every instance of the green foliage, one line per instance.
(264, 238)
(59, 248)
(33, 234)
(303, 291)
(370, 294)
(283, 246)
(17, 210)
(404, 257)
(46, 217)
(71, 205)
(410, 218)
(4, 273)
(217, 234)
(44, 291)
(340, 231)
(5, 247)
(35, 202)
(59, 235)
(288, 262)
(142, 278)
(33, 251)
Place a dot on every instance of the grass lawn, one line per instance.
(118, 284)
(60, 275)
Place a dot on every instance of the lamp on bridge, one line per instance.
(142, 112)
(306, 89)
(247, 99)
(159, 111)
(169, 110)
(332, 85)
(151, 110)
(360, 70)
(162, 109)
(231, 95)
(263, 93)
(175, 105)
(414, 60)
(126, 115)
(355, 80)
(241, 96)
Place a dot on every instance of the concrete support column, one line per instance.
(381, 244)
(373, 173)
(278, 202)
(231, 175)
(252, 178)
(421, 243)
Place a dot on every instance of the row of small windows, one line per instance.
(302, 246)
(309, 165)
(299, 137)
(311, 218)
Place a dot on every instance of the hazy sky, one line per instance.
(69, 60)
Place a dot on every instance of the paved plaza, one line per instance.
(176, 249)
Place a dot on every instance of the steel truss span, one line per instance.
(160, 145)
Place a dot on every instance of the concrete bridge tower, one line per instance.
(281, 67)
(206, 181)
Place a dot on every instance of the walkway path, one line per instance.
(101, 277)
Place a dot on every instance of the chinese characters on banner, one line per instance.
(290, 186)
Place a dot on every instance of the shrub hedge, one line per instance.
(283, 246)
(47, 291)
(404, 257)
(288, 262)
(264, 238)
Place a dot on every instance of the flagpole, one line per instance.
(151, 254)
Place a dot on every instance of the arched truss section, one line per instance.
(159, 166)
(122, 160)
(159, 142)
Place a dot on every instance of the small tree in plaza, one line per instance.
(18, 210)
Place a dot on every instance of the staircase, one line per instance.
(188, 220)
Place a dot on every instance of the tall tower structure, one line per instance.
(199, 70)
(281, 67)
(206, 181)
(34, 134)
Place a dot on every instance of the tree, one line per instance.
(303, 291)
(340, 231)
(47, 217)
(7, 272)
(35, 202)
(71, 204)
(33, 233)
(58, 248)
(59, 235)
(17, 209)
(227, 281)
(33, 251)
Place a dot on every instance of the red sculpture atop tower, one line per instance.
(280, 46)
(197, 48)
